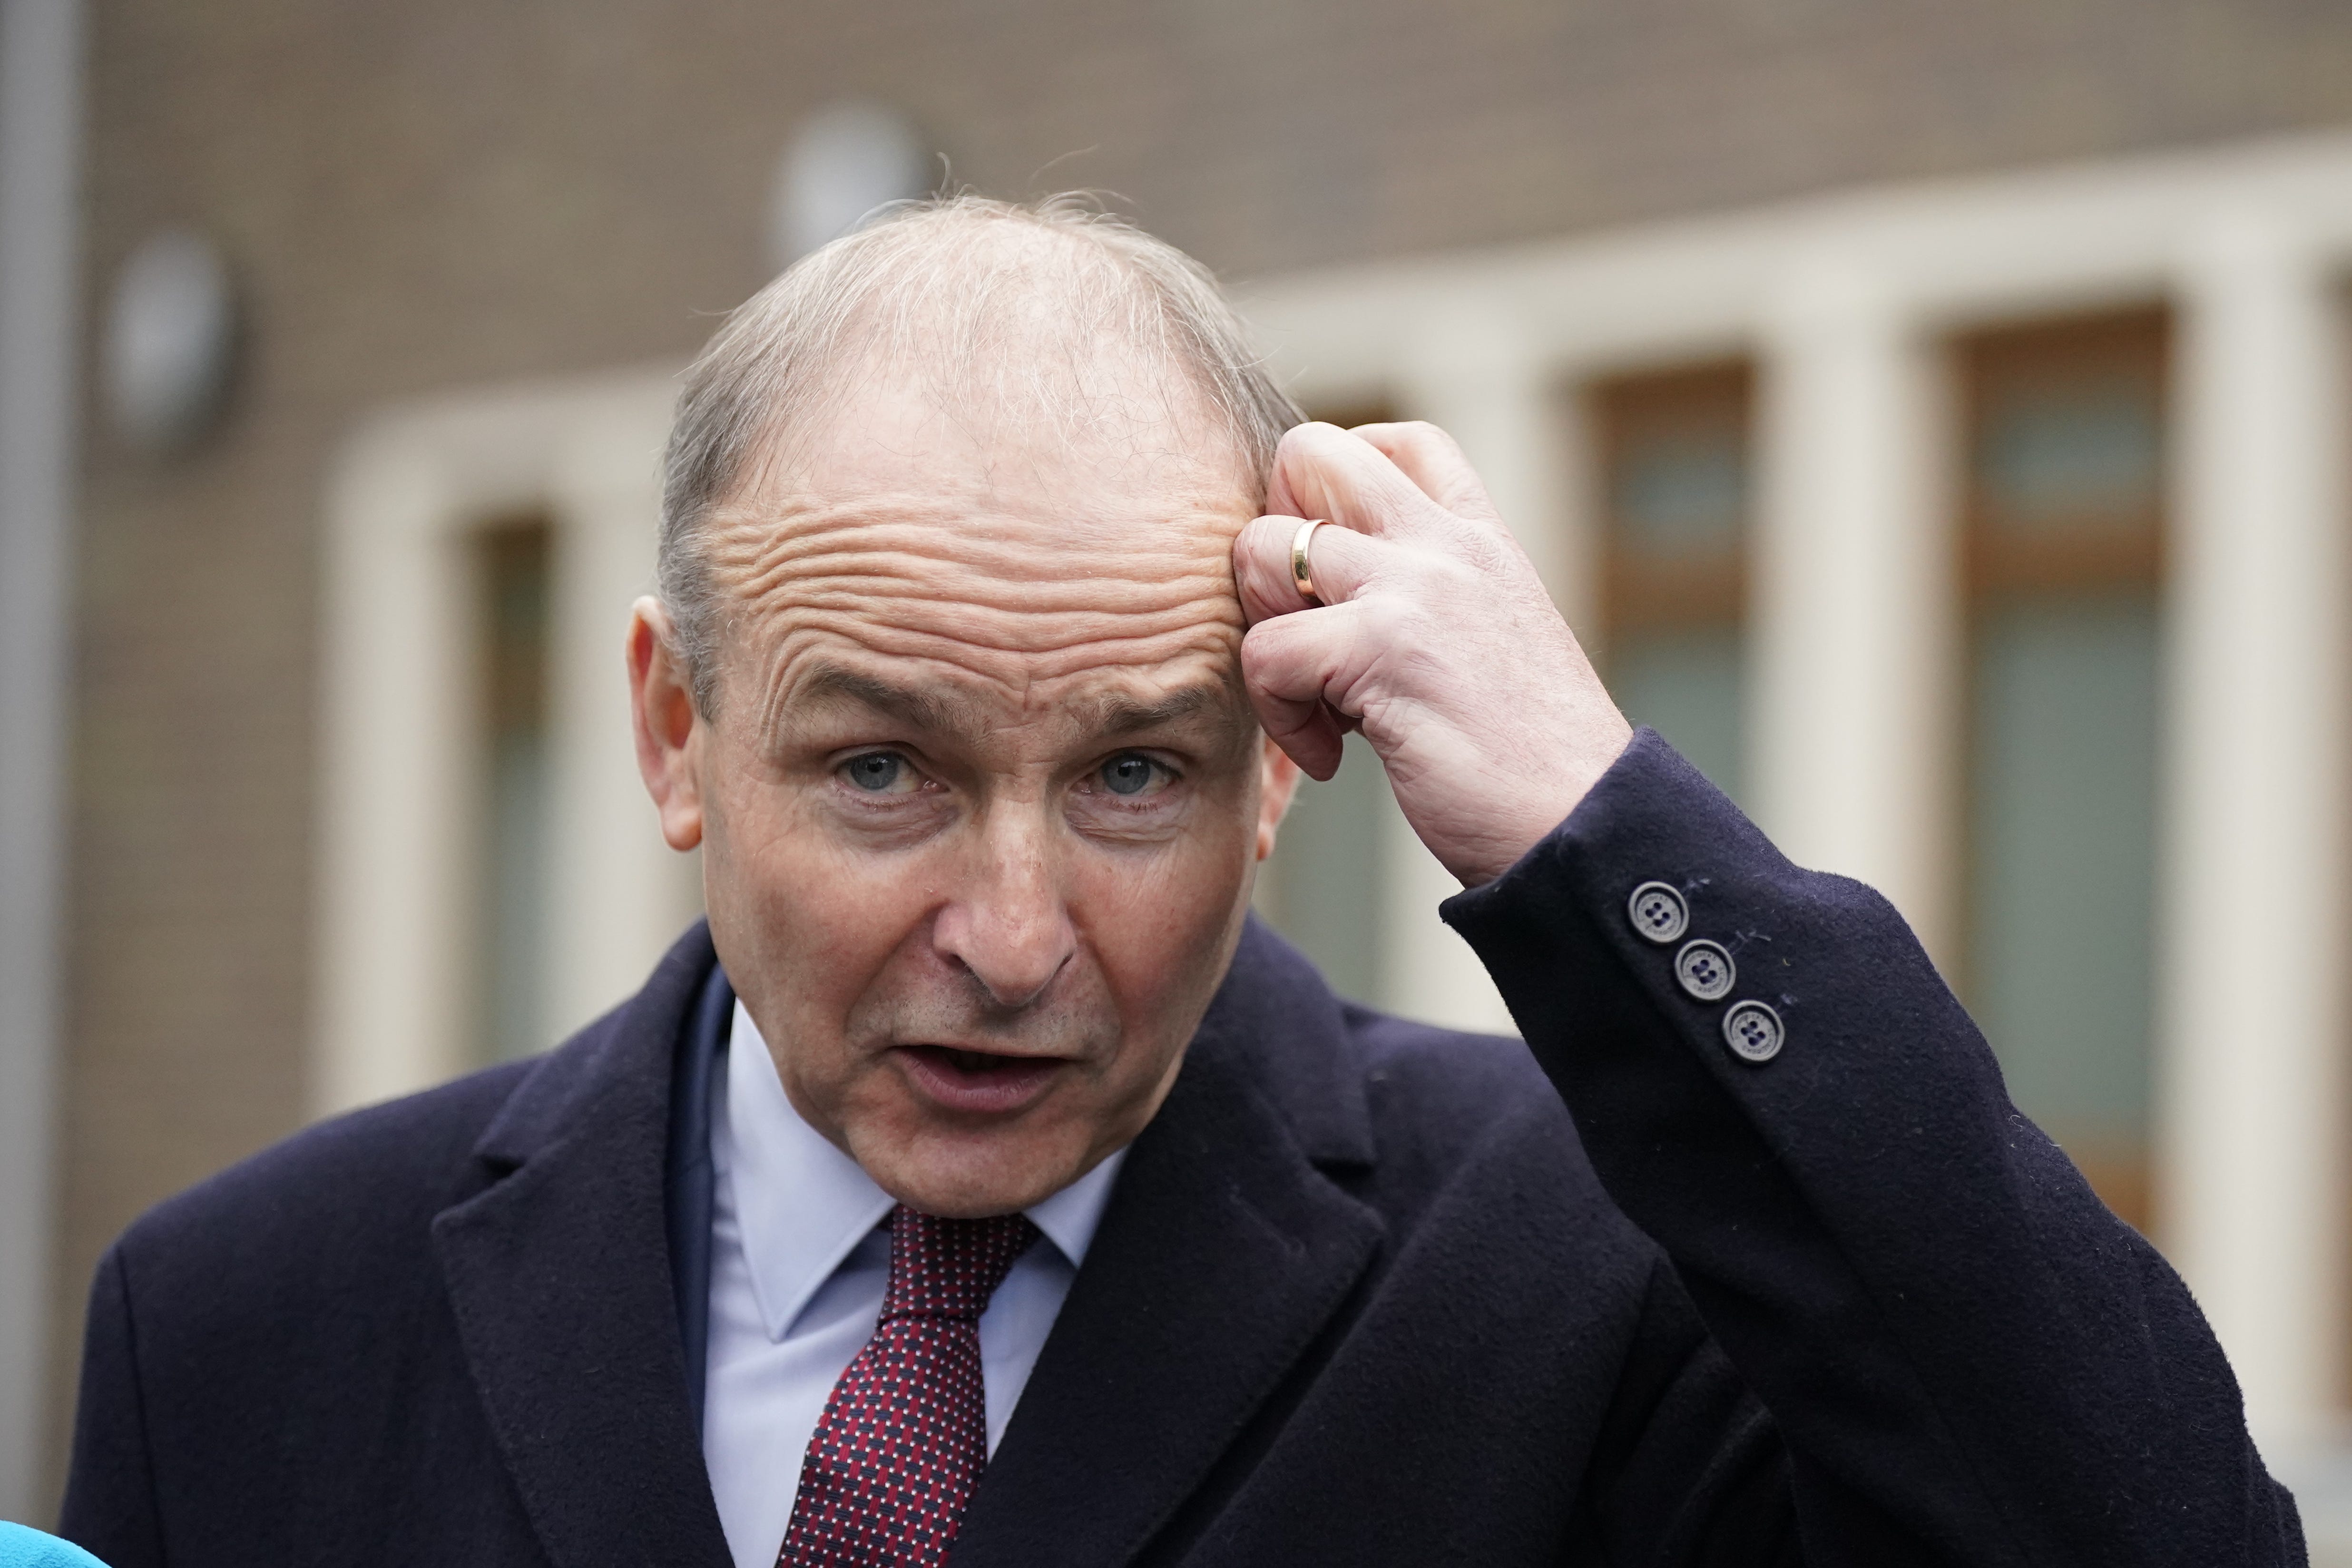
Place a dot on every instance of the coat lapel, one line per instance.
(559, 1276)
(1225, 1252)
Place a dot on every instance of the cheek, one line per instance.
(807, 922)
(1162, 929)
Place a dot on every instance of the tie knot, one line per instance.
(949, 1268)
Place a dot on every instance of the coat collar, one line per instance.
(559, 1279)
(1277, 1025)
(1226, 1249)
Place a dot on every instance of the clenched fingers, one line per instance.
(1321, 470)
(1432, 461)
(1340, 560)
(1302, 672)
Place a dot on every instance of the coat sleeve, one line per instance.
(1968, 1358)
(110, 1507)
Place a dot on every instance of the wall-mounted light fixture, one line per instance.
(170, 342)
(842, 163)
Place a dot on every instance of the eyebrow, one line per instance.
(1108, 715)
(1117, 715)
(831, 685)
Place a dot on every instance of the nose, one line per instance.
(1009, 925)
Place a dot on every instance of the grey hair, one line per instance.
(880, 293)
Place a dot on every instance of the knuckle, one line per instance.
(1462, 570)
(1261, 669)
(1392, 619)
(1483, 555)
(1429, 441)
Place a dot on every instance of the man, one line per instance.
(982, 1183)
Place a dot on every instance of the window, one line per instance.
(2062, 540)
(511, 961)
(1675, 504)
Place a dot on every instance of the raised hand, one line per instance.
(1433, 636)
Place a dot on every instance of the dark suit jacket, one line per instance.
(1365, 1292)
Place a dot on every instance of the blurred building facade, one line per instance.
(1934, 419)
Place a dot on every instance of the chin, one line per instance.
(951, 1177)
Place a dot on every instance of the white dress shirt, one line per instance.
(797, 1270)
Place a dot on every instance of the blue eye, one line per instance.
(876, 771)
(1129, 774)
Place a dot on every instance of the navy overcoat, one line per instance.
(1367, 1293)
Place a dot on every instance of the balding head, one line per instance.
(1049, 318)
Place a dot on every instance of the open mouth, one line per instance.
(974, 1061)
(981, 1081)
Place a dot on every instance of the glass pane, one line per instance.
(2064, 842)
(1686, 685)
(1679, 500)
(514, 863)
(1683, 492)
(1326, 872)
(2074, 452)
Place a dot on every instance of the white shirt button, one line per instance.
(1753, 1031)
(1658, 912)
(1705, 970)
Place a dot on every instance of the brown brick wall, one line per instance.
(446, 192)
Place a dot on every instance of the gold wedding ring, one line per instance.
(1301, 578)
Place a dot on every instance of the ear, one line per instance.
(671, 735)
(1278, 782)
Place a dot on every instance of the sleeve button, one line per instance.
(1705, 970)
(1753, 1031)
(1658, 912)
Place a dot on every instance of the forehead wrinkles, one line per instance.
(1091, 702)
(1036, 588)
(994, 692)
(1013, 602)
(921, 547)
(1022, 680)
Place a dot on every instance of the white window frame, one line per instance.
(403, 735)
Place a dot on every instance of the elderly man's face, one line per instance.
(983, 800)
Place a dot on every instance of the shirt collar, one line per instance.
(801, 1205)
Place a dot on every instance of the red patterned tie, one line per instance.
(905, 1436)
